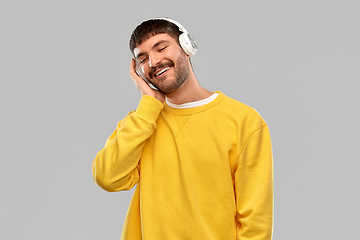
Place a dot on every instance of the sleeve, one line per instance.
(254, 187)
(116, 166)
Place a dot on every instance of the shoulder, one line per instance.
(240, 112)
(238, 107)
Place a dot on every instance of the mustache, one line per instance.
(158, 66)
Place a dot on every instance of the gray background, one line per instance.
(65, 85)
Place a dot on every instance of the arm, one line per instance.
(254, 187)
(115, 167)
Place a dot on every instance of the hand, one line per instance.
(143, 87)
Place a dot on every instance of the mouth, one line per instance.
(161, 71)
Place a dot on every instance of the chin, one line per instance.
(170, 89)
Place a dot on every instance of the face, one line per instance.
(163, 62)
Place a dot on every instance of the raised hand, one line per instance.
(143, 87)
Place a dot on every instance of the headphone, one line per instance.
(187, 43)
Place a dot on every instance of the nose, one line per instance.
(153, 60)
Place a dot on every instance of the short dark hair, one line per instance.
(151, 28)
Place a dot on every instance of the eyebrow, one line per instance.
(155, 45)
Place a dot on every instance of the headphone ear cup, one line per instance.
(188, 45)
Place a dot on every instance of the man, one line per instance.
(202, 162)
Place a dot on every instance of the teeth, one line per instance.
(162, 71)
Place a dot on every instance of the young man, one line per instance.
(201, 161)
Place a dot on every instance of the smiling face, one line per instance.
(163, 62)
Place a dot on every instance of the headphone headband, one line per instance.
(186, 41)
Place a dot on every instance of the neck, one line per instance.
(190, 91)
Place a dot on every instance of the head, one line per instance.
(156, 47)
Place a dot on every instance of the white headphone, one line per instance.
(186, 41)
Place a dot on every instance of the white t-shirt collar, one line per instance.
(192, 104)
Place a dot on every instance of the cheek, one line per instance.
(180, 56)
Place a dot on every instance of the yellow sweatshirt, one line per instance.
(202, 173)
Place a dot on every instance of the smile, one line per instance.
(161, 71)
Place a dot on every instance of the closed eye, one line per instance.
(162, 49)
(142, 60)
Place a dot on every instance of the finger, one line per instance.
(143, 87)
(132, 71)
